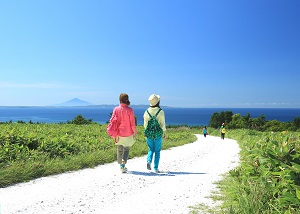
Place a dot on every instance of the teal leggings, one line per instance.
(154, 147)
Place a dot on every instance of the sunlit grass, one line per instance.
(29, 151)
(268, 177)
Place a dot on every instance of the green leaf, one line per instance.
(298, 193)
(288, 198)
(295, 167)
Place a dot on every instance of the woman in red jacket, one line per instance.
(127, 130)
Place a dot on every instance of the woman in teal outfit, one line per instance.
(154, 145)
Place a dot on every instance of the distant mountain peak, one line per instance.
(76, 102)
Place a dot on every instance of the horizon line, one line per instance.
(103, 105)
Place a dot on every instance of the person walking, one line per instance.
(205, 131)
(126, 130)
(154, 143)
(222, 131)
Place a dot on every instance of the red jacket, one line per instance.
(125, 116)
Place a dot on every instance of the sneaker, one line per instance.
(157, 171)
(123, 169)
(149, 166)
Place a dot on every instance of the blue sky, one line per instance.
(193, 53)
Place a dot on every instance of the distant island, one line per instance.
(75, 102)
(81, 103)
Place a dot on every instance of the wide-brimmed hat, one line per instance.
(154, 99)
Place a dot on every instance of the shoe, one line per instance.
(157, 171)
(123, 169)
(149, 166)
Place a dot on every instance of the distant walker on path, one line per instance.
(205, 131)
(223, 131)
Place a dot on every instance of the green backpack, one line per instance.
(153, 129)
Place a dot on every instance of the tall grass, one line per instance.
(29, 151)
(268, 178)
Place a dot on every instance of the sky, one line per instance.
(193, 53)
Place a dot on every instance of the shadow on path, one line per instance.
(164, 173)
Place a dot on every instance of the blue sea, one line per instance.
(174, 116)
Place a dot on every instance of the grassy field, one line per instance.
(29, 151)
(268, 178)
(266, 181)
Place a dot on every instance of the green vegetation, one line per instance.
(268, 177)
(237, 121)
(266, 181)
(29, 151)
(80, 120)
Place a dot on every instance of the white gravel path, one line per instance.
(193, 170)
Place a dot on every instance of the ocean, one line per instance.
(174, 116)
